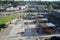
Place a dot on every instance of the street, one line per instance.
(5, 33)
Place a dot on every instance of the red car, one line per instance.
(49, 31)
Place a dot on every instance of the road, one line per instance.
(5, 33)
(9, 32)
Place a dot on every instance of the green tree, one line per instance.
(0, 3)
(50, 6)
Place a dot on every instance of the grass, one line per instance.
(5, 19)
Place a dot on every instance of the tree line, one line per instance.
(53, 4)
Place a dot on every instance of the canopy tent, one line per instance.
(50, 25)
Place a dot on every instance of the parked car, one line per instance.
(49, 30)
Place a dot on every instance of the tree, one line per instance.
(0, 2)
(50, 6)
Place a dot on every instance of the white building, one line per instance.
(12, 9)
(22, 6)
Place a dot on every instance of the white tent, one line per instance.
(50, 25)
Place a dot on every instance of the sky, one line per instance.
(37, 0)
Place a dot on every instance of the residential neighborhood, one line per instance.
(29, 20)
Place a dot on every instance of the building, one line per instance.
(22, 6)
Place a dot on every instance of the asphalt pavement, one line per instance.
(5, 33)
